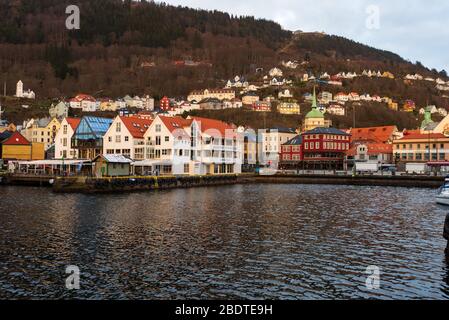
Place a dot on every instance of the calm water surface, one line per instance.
(254, 242)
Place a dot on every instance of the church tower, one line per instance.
(19, 89)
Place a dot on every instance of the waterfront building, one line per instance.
(380, 153)
(271, 142)
(88, 136)
(167, 146)
(325, 148)
(63, 139)
(220, 94)
(217, 147)
(125, 137)
(14, 146)
(291, 153)
(250, 149)
(289, 107)
(111, 165)
(41, 130)
(315, 118)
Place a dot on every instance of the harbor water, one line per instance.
(230, 242)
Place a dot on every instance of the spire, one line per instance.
(314, 103)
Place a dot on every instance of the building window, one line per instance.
(118, 127)
(118, 139)
(126, 138)
(186, 168)
(167, 138)
(65, 129)
(110, 139)
(158, 140)
(158, 128)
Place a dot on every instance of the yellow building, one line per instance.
(108, 105)
(250, 98)
(17, 147)
(387, 74)
(220, 94)
(393, 105)
(42, 131)
(289, 107)
(315, 119)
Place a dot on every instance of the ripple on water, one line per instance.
(237, 242)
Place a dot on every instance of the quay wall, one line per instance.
(124, 184)
(127, 184)
(383, 181)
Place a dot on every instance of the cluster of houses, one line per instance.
(148, 144)
(440, 84)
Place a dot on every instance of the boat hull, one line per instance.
(443, 200)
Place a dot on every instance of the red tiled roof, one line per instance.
(417, 135)
(80, 97)
(137, 126)
(73, 122)
(175, 123)
(16, 139)
(373, 134)
(211, 125)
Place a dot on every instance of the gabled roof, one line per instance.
(175, 123)
(296, 141)
(16, 139)
(73, 122)
(327, 131)
(212, 124)
(137, 126)
(5, 135)
(114, 158)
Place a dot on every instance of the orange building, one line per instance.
(17, 147)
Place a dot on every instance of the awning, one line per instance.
(150, 163)
(52, 162)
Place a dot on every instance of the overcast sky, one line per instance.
(415, 29)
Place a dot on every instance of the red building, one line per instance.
(164, 104)
(291, 153)
(325, 148)
(261, 106)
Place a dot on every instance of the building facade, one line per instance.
(63, 139)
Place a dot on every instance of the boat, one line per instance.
(443, 193)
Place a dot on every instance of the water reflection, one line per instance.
(254, 242)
